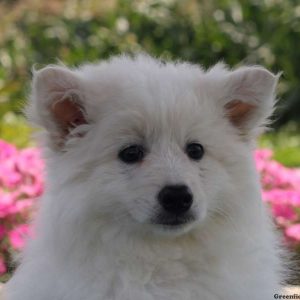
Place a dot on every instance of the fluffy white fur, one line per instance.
(95, 239)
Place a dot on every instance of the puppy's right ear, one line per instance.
(58, 105)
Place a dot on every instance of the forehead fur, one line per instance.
(144, 77)
(161, 91)
(141, 68)
(149, 97)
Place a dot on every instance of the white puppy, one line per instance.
(151, 191)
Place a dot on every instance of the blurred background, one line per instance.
(266, 32)
(36, 33)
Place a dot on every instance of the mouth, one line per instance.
(173, 221)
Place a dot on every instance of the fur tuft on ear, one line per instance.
(249, 98)
(57, 103)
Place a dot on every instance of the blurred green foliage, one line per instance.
(36, 33)
(14, 129)
(285, 143)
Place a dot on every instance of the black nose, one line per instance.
(176, 199)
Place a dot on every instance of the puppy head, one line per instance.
(149, 145)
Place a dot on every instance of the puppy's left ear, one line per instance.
(249, 99)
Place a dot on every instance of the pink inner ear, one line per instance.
(238, 111)
(68, 114)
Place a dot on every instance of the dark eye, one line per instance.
(132, 154)
(194, 151)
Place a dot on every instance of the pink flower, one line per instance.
(2, 231)
(281, 190)
(277, 195)
(6, 150)
(19, 235)
(263, 154)
(7, 202)
(21, 183)
(293, 232)
(22, 205)
(33, 189)
(282, 211)
(29, 161)
(9, 176)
